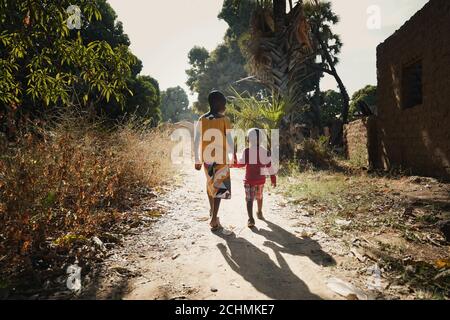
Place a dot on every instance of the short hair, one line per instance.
(216, 99)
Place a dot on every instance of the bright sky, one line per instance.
(163, 32)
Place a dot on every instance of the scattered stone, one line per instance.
(305, 234)
(175, 256)
(345, 289)
(98, 243)
(214, 289)
(357, 254)
(343, 223)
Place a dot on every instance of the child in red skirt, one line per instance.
(257, 163)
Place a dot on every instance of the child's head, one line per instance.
(217, 102)
(253, 137)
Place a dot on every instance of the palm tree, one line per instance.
(280, 48)
(280, 44)
(283, 48)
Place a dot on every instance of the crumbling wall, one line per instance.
(416, 138)
(360, 141)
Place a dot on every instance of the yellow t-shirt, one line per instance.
(214, 140)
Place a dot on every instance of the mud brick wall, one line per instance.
(360, 141)
(416, 138)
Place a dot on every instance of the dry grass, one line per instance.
(67, 182)
(398, 217)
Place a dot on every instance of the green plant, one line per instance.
(47, 63)
(251, 112)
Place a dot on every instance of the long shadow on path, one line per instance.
(276, 281)
(283, 241)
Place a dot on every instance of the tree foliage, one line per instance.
(250, 112)
(40, 53)
(278, 47)
(48, 63)
(237, 14)
(144, 104)
(107, 29)
(225, 67)
(368, 94)
(331, 106)
(175, 105)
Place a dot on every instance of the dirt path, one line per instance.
(180, 258)
(238, 263)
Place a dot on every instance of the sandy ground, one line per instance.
(180, 258)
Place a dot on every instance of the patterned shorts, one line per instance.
(252, 192)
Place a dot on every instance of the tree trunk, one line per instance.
(345, 96)
(333, 72)
(279, 14)
(316, 109)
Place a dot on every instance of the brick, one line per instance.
(407, 136)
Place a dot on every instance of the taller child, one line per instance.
(213, 148)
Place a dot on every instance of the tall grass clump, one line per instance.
(69, 181)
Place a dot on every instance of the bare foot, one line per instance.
(260, 215)
(251, 223)
(215, 224)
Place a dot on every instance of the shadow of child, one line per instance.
(283, 241)
(256, 267)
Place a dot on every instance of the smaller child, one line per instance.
(255, 159)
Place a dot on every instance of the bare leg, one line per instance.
(260, 205)
(211, 205)
(214, 212)
(251, 220)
